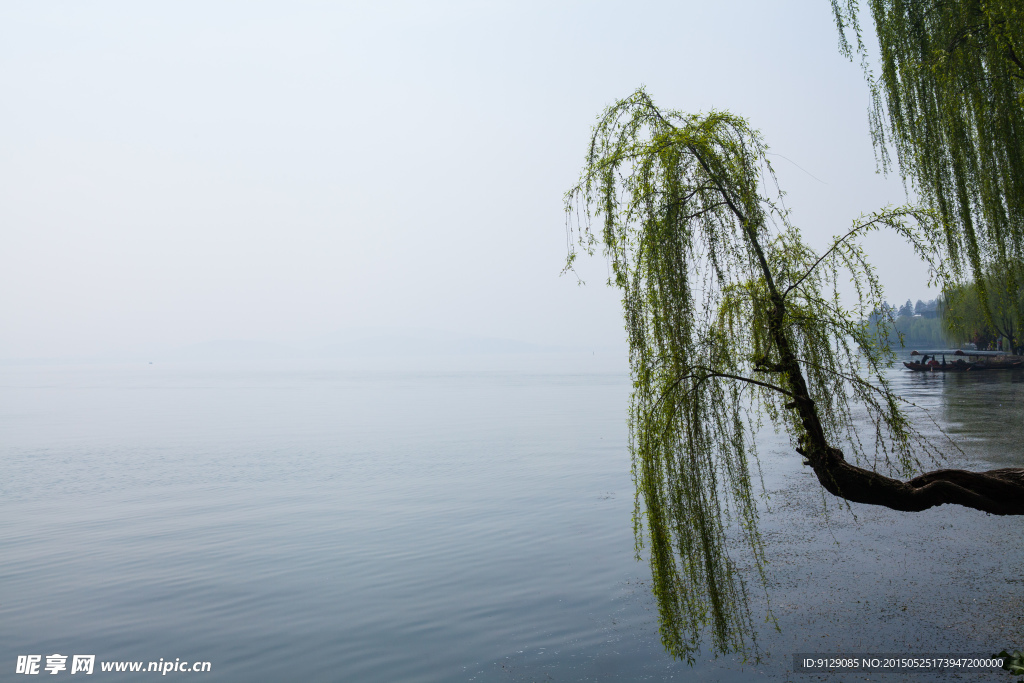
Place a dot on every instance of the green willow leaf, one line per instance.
(690, 217)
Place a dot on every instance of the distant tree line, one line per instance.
(958, 318)
(918, 325)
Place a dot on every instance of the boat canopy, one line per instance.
(957, 352)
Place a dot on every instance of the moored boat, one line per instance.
(962, 361)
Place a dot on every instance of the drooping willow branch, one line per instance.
(718, 286)
(949, 98)
(998, 492)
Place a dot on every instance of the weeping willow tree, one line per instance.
(732, 319)
(949, 96)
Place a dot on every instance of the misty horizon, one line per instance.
(281, 173)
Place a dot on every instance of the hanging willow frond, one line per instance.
(731, 317)
(949, 97)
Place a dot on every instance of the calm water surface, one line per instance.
(291, 522)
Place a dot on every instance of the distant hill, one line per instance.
(357, 344)
(231, 349)
(427, 344)
(372, 343)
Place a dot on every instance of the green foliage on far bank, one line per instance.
(921, 332)
(1002, 325)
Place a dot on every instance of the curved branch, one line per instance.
(997, 492)
(708, 375)
(748, 380)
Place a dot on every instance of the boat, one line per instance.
(962, 360)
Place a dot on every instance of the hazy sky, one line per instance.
(180, 172)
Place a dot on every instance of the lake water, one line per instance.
(301, 522)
